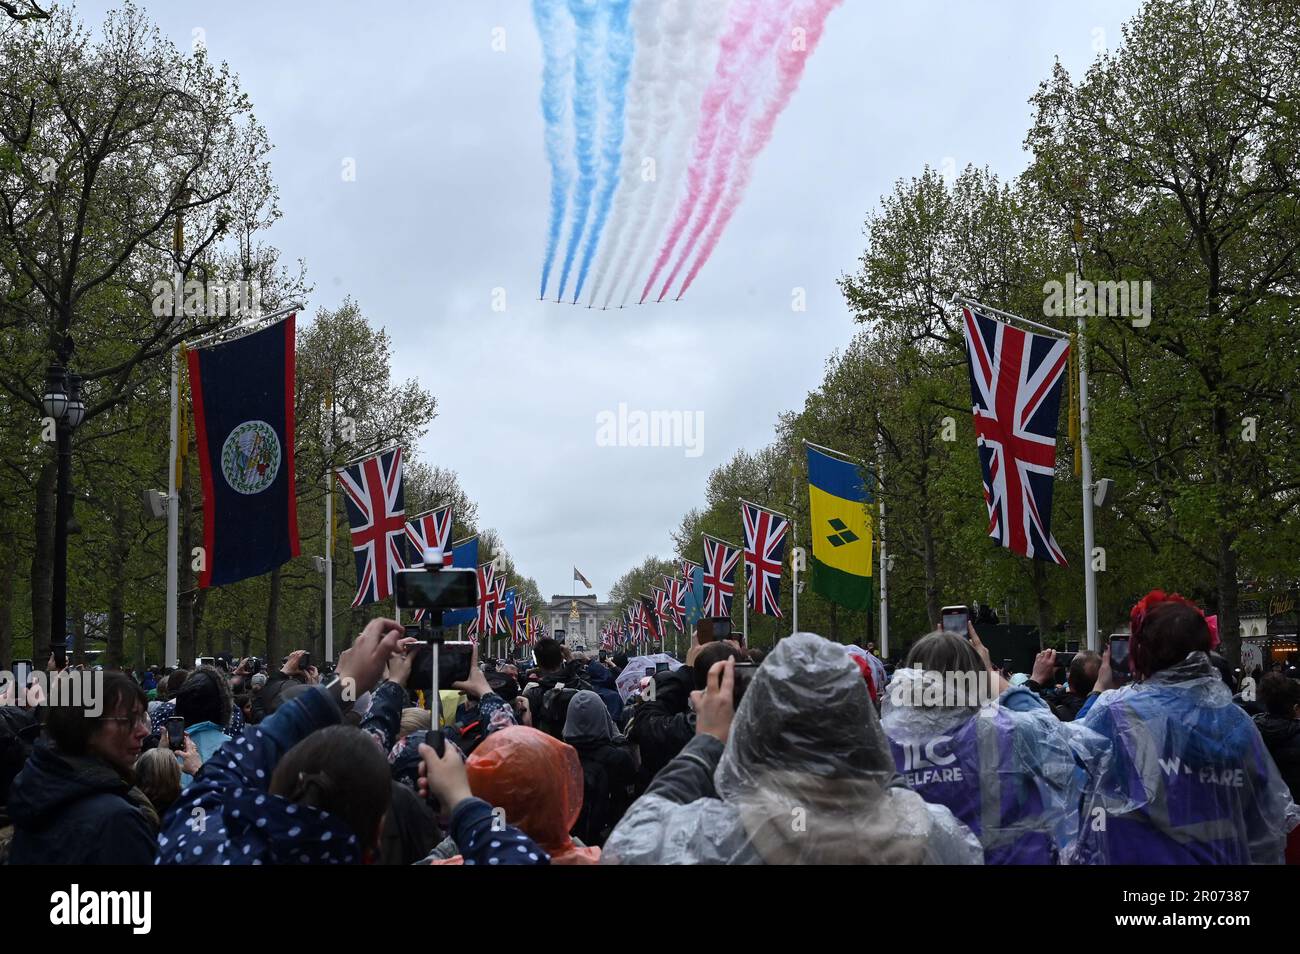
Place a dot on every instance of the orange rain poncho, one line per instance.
(537, 780)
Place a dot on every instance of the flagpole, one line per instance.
(170, 653)
(329, 566)
(1089, 574)
(744, 608)
(884, 571)
(794, 579)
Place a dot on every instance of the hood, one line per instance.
(1278, 730)
(905, 714)
(535, 778)
(588, 720)
(1198, 675)
(600, 675)
(51, 781)
(806, 744)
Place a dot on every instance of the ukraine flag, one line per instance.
(841, 531)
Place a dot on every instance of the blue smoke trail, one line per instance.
(550, 25)
(585, 96)
(620, 47)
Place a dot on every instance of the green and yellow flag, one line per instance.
(841, 531)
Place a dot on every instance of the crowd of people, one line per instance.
(814, 752)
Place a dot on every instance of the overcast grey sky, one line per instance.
(450, 201)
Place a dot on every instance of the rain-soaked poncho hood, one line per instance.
(1011, 773)
(588, 720)
(537, 780)
(1183, 776)
(806, 778)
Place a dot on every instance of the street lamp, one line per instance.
(63, 404)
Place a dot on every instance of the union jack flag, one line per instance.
(1015, 385)
(372, 490)
(486, 618)
(720, 561)
(521, 623)
(688, 568)
(499, 623)
(430, 531)
(662, 612)
(675, 602)
(764, 554)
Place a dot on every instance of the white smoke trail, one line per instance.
(691, 48)
(648, 78)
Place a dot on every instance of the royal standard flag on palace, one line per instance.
(841, 531)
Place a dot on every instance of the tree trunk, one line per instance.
(273, 653)
(119, 550)
(1229, 621)
(43, 564)
(113, 646)
(1042, 605)
(78, 633)
(8, 571)
(186, 648)
(196, 621)
(929, 561)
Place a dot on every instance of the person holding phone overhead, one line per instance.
(804, 742)
(203, 707)
(1183, 776)
(1007, 769)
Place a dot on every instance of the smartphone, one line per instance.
(452, 588)
(661, 667)
(453, 662)
(205, 661)
(743, 675)
(956, 619)
(1064, 659)
(22, 676)
(453, 666)
(603, 655)
(1119, 659)
(650, 670)
(176, 734)
(304, 662)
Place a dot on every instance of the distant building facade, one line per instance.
(580, 618)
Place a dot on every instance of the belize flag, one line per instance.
(463, 554)
(242, 392)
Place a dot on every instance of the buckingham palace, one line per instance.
(579, 618)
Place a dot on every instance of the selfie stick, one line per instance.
(433, 563)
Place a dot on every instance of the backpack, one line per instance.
(594, 817)
(552, 701)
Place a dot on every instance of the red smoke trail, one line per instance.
(733, 45)
(790, 66)
(738, 108)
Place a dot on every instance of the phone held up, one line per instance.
(1120, 666)
(956, 619)
(176, 734)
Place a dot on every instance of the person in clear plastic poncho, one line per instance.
(801, 773)
(1183, 776)
(992, 753)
